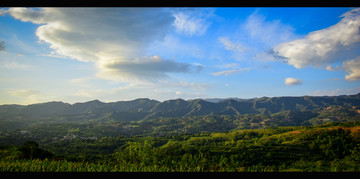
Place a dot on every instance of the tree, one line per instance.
(137, 153)
(336, 143)
(30, 149)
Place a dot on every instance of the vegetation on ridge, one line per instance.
(331, 147)
(103, 137)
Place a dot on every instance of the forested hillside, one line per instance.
(263, 134)
(332, 147)
(149, 109)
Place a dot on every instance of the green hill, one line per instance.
(323, 148)
(54, 121)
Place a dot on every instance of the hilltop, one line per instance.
(261, 134)
(146, 108)
(53, 121)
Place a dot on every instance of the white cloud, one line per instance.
(31, 15)
(141, 69)
(293, 81)
(352, 67)
(114, 39)
(3, 12)
(324, 47)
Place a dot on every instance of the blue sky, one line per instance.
(115, 54)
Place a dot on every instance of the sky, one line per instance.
(121, 54)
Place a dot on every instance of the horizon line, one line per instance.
(204, 99)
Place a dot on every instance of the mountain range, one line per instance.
(143, 108)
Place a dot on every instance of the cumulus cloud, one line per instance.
(293, 81)
(148, 68)
(352, 67)
(114, 39)
(321, 48)
(31, 15)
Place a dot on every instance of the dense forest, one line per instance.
(331, 147)
(145, 135)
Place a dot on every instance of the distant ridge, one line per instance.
(144, 108)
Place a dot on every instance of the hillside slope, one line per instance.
(150, 109)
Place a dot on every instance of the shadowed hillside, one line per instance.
(149, 109)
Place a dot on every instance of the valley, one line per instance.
(260, 134)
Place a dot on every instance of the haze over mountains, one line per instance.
(143, 108)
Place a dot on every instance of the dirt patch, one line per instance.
(294, 132)
(355, 129)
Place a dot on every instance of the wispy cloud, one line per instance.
(188, 85)
(53, 55)
(159, 91)
(15, 66)
(256, 36)
(335, 92)
(230, 72)
(229, 45)
(29, 96)
(22, 92)
(191, 22)
(229, 69)
(267, 33)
